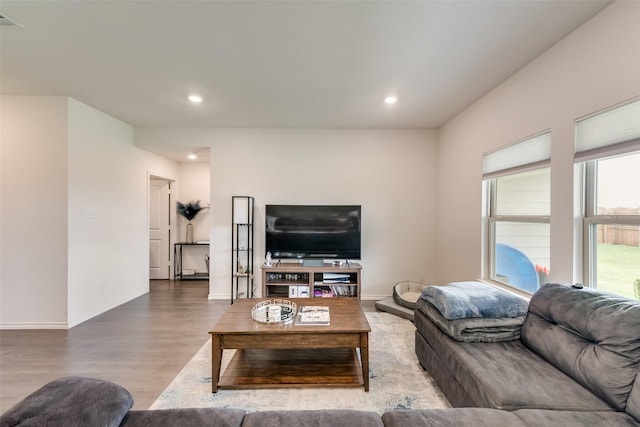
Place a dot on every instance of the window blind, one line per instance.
(610, 132)
(529, 153)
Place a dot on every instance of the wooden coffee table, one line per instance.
(290, 355)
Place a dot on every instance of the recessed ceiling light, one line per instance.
(390, 100)
(192, 156)
(195, 98)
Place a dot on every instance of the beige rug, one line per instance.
(396, 380)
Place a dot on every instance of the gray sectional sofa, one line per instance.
(575, 364)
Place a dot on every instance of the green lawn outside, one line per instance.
(618, 268)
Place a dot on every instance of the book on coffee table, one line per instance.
(314, 315)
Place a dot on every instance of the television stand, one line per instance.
(300, 281)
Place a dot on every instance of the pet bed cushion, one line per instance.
(390, 306)
(407, 293)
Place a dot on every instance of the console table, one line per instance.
(177, 262)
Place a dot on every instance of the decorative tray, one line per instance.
(288, 310)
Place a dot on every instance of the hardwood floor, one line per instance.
(141, 345)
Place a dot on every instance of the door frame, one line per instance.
(171, 218)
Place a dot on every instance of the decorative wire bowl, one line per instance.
(288, 310)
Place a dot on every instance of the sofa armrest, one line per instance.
(71, 402)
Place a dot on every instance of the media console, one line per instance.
(300, 281)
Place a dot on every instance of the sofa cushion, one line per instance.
(449, 385)
(590, 335)
(70, 402)
(537, 418)
(312, 418)
(477, 417)
(185, 417)
(504, 375)
(633, 404)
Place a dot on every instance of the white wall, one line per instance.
(596, 66)
(33, 281)
(194, 183)
(106, 218)
(391, 173)
(74, 212)
(108, 212)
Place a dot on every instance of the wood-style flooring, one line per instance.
(141, 345)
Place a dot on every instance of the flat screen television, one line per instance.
(313, 231)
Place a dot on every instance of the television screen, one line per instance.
(313, 231)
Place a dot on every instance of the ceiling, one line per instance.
(278, 64)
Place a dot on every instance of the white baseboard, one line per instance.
(55, 325)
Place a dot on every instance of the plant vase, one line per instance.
(189, 238)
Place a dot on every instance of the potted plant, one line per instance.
(189, 211)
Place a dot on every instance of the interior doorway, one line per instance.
(160, 228)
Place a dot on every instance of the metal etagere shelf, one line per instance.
(241, 247)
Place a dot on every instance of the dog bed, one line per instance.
(390, 306)
(407, 293)
(403, 301)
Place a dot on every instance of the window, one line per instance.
(612, 224)
(608, 148)
(518, 202)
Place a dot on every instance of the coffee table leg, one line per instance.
(364, 356)
(216, 360)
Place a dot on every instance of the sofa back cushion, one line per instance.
(313, 418)
(192, 417)
(592, 336)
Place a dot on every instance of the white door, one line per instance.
(159, 229)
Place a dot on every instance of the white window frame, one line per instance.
(592, 220)
(601, 135)
(494, 219)
(531, 153)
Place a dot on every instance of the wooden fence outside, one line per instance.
(618, 234)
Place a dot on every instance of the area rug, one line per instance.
(396, 380)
